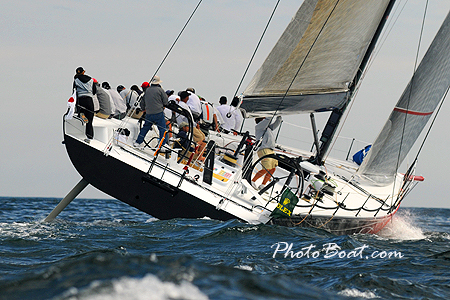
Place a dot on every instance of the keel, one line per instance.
(69, 197)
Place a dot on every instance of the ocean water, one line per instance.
(103, 249)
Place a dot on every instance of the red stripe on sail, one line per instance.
(411, 112)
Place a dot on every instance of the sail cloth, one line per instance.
(343, 29)
(415, 107)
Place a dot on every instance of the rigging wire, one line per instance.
(410, 91)
(385, 36)
(293, 79)
(257, 47)
(371, 60)
(125, 120)
(256, 145)
(228, 115)
(176, 40)
(410, 169)
(306, 56)
(301, 65)
(248, 66)
(295, 76)
(431, 125)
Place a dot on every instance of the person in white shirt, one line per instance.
(129, 96)
(194, 103)
(231, 115)
(223, 109)
(111, 100)
(119, 103)
(168, 113)
(182, 101)
(174, 97)
(218, 115)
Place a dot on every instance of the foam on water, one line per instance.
(26, 230)
(149, 287)
(151, 220)
(401, 228)
(90, 252)
(356, 293)
(244, 267)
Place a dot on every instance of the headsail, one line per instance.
(415, 107)
(328, 40)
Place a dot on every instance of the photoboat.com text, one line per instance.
(331, 250)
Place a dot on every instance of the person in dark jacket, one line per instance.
(136, 89)
(86, 89)
(183, 141)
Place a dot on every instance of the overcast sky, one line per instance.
(123, 42)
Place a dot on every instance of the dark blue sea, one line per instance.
(103, 249)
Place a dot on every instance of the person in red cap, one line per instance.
(153, 103)
(86, 89)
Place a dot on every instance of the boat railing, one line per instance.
(111, 132)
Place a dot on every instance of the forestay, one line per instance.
(325, 43)
(415, 107)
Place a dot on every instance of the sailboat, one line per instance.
(315, 67)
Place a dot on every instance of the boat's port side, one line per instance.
(167, 186)
(163, 174)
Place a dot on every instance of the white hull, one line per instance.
(160, 187)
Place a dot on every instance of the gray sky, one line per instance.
(123, 42)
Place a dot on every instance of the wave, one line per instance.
(147, 288)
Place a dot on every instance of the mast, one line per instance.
(333, 121)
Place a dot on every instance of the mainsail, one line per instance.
(415, 107)
(324, 43)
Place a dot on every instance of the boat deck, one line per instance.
(229, 191)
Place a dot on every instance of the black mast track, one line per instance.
(336, 115)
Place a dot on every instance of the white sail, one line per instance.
(415, 107)
(326, 40)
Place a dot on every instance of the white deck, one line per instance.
(231, 193)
